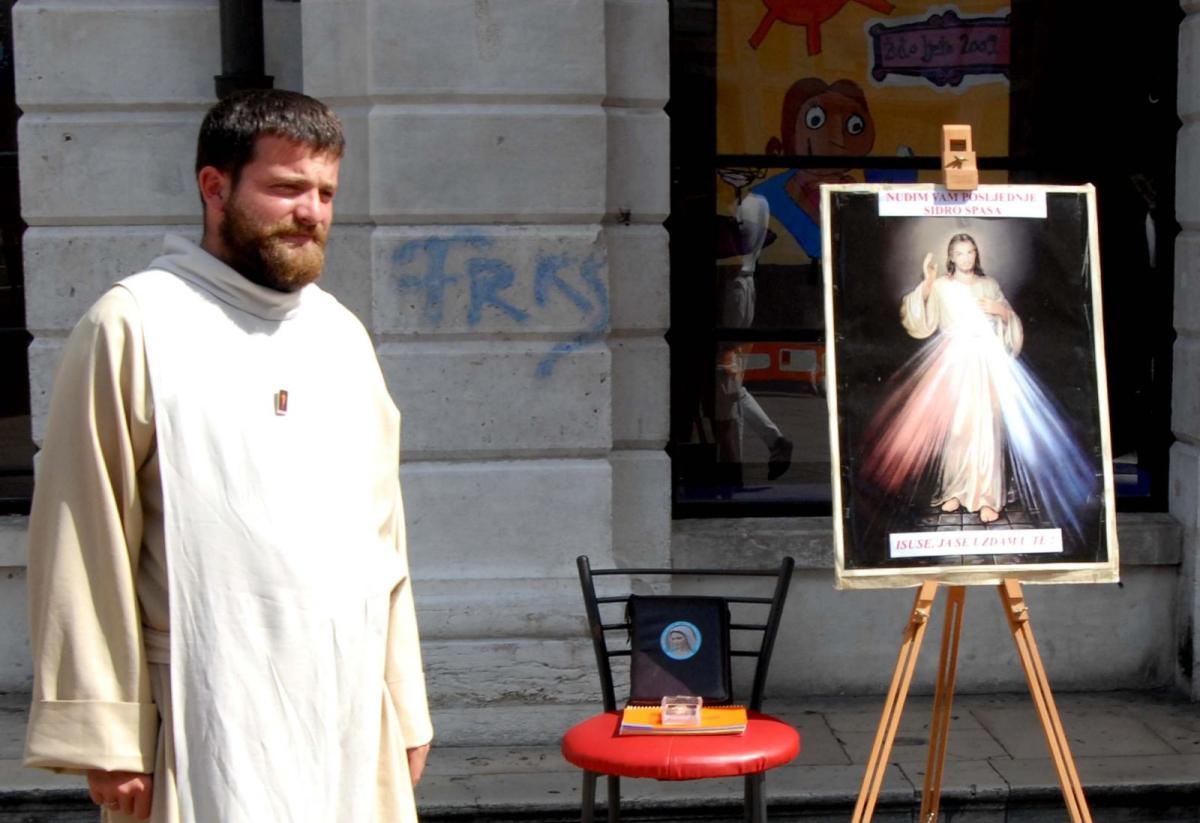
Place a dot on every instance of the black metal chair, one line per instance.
(594, 745)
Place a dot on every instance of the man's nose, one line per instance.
(309, 208)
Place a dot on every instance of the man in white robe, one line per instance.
(221, 611)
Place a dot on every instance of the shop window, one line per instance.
(16, 445)
(770, 99)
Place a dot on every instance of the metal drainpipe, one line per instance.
(242, 63)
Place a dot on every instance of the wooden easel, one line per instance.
(961, 173)
(1017, 613)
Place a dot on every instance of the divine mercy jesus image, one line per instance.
(968, 395)
(965, 400)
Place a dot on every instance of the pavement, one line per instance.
(1137, 753)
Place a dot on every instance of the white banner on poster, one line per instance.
(990, 541)
(988, 201)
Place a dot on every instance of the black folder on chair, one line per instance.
(679, 646)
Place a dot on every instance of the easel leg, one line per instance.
(943, 699)
(893, 707)
(1017, 613)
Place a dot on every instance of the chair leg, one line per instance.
(756, 798)
(588, 802)
(614, 798)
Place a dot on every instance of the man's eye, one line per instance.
(855, 124)
(814, 118)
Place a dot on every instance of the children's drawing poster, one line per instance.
(966, 385)
(852, 79)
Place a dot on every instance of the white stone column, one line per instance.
(1185, 379)
(637, 37)
(494, 146)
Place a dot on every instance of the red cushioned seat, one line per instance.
(595, 746)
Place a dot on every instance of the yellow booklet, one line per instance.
(713, 720)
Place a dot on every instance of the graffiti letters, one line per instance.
(500, 291)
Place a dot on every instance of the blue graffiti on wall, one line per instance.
(489, 281)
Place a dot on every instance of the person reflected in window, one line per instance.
(735, 408)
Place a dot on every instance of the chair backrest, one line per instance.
(770, 608)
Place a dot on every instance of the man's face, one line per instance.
(274, 223)
(963, 254)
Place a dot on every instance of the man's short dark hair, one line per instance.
(231, 127)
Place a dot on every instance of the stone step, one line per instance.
(1138, 755)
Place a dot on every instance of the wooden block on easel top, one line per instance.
(959, 169)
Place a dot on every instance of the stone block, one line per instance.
(16, 671)
(1183, 501)
(334, 34)
(500, 399)
(487, 163)
(641, 387)
(1183, 498)
(1189, 66)
(1185, 390)
(543, 49)
(512, 607)
(753, 542)
(67, 268)
(1149, 539)
(639, 266)
(14, 533)
(505, 519)
(484, 279)
(641, 503)
(638, 66)
(489, 672)
(1187, 283)
(511, 724)
(44, 353)
(1187, 198)
(353, 201)
(129, 53)
(109, 167)
(282, 30)
(639, 164)
(347, 274)
(1090, 637)
(117, 52)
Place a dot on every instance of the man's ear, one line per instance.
(214, 188)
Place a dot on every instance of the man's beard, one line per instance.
(259, 252)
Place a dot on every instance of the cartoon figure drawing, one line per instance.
(816, 119)
(807, 13)
(965, 411)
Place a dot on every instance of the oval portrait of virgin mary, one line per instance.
(680, 640)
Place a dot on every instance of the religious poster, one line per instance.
(966, 385)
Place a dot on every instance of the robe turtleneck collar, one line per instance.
(187, 260)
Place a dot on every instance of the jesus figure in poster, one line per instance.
(965, 410)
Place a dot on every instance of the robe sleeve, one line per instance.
(91, 703)
(403, 671)
(919, 315)
(1012, 333)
